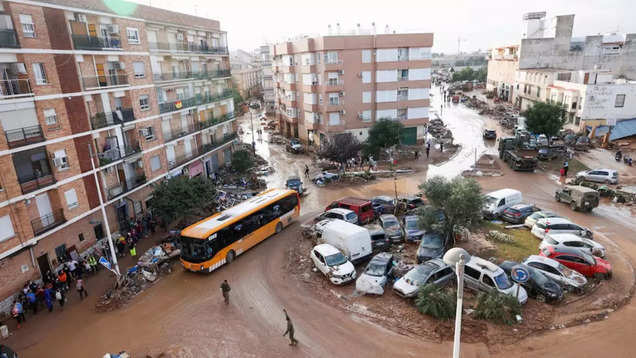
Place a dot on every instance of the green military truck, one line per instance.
(516, 158)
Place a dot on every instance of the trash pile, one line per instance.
(438, 130)
(494, 235)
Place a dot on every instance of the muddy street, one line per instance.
(184, 313)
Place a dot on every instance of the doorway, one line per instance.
(99, 231)
(44, 264)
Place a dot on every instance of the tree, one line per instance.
(544, 118)
(242, 161)
(468, 74)
(497, 307)
(432, 300)
(341, 148)
(459, 200)
(182, 200)
(384, 134)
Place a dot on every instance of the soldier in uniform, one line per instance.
(225, 290)
(290, 330)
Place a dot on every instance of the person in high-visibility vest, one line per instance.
(133, 251)
(93, 262)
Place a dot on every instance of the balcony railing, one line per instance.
(130, 149)
(184, 46)
(180, 159)
(34, 182)
(213, 121)
(130, 184)
(15, 87)
(187, 75)
(23, 136)
(109, 155)
(8, 38)
(87, 42)
(193, 101)
(48, 221)
(105, 81)
(102, 119)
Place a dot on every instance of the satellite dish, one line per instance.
(452, 256)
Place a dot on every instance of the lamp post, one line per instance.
(457, 257)
(101, 205)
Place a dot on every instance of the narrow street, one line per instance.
(184, 314)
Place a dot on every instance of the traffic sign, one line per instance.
(103, 261)
(519, 274)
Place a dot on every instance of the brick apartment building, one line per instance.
(147, 91)
(337, 84)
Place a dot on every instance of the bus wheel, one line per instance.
(230, 257)
(279, 227)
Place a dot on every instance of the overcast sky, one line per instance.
(480, 24)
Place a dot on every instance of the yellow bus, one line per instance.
(219, 239)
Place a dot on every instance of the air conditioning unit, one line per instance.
(117, 65)
(343, 112)
(58, 162)
(80, 17)
(359, 74)
(342, 93)
(359, 115)
(341, 72)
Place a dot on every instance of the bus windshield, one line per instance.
(196, 250)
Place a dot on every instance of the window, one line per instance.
(144, 105)
(403, 54)
(147, 133)
(386, 55)
(488, 281)
(366, 116)
(334, 118)
(386, 114)
(71, 199)
(28, 29)
(417, 112)
(418, 74)
(133, 35)
(140, 69)
(331, 57)
(334, 98)
(50, 117)
(366, 97)
(386, 96)
(538, 91)
(469, 271)
(155, 163)
(419, 53)
(366, 76)
(366, 56)
(6, 228)
(403, 94)
(60, 160)
(620, 100)
(39, 73)
(80, 236)
(401, 114)
(417, 93)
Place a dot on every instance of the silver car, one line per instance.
(567, 278)
(392, 228)
(432, 271)
(607, 176)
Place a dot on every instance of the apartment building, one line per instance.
(342, 84)
(547, 45)
(248, 81)
(147, 92)
(264, 60)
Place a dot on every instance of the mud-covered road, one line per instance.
(184, 313)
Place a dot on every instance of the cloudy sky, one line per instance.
(479, 24)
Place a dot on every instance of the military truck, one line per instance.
(515, 157)
(579, 197)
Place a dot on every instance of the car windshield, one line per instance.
(566, 271)
(196, 250)
(336, 259)
(416, 276)
(432, 241)
(411, 224)
(537, 276)
(391, 224)
(589, 259)
(489, 201)
(502, 281)
(540, 225)
(351, 216)
(375, 269)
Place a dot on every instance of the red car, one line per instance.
(362, 207)
(576, 259)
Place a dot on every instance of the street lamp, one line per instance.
(101, 205)
(457, 257)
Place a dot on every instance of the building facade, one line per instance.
(264, 60)
(342, 84)
(248, 81)
(503, 63)
(146, 93)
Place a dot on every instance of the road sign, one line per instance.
(519, 274)
(103, 261)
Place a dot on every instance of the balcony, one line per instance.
(131, 149)
(29, 183)
(48, 221)
(87, 42)
(214, 121)
(105, 81)
(15, 87)
(122, 188)
(183, 158)
(108, 156)
(8, 38)
(190, 75)
(101, 119)
(184, 46)
(23, 136)
(193, 101)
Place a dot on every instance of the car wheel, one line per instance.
(608, 182)
(230, 257)
(557, 198)
(541, 298)
(608, 276)
(279, 227)
(573, 206)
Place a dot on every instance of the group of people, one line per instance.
(142, 227)
(54, 288)
(225, 291)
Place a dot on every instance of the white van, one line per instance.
(498, 201)
(354, 241)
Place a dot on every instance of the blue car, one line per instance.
(432, 246)
(412, 230)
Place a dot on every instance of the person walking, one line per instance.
(306, 171)
(417, 154)
(18, 312)
(33, 301)
(565, 168)
(290, 330)
(79, 285)
(59, 296)
(441, 146)
(133, 250)
(428, 148)
(225, 290)
(62, 278)
(48, 297)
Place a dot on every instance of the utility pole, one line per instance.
(104, 217)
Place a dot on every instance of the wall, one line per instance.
(501, 72)
(600, 99)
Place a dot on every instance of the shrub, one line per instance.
(494, 235)
(497, 307)
(434, 301)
